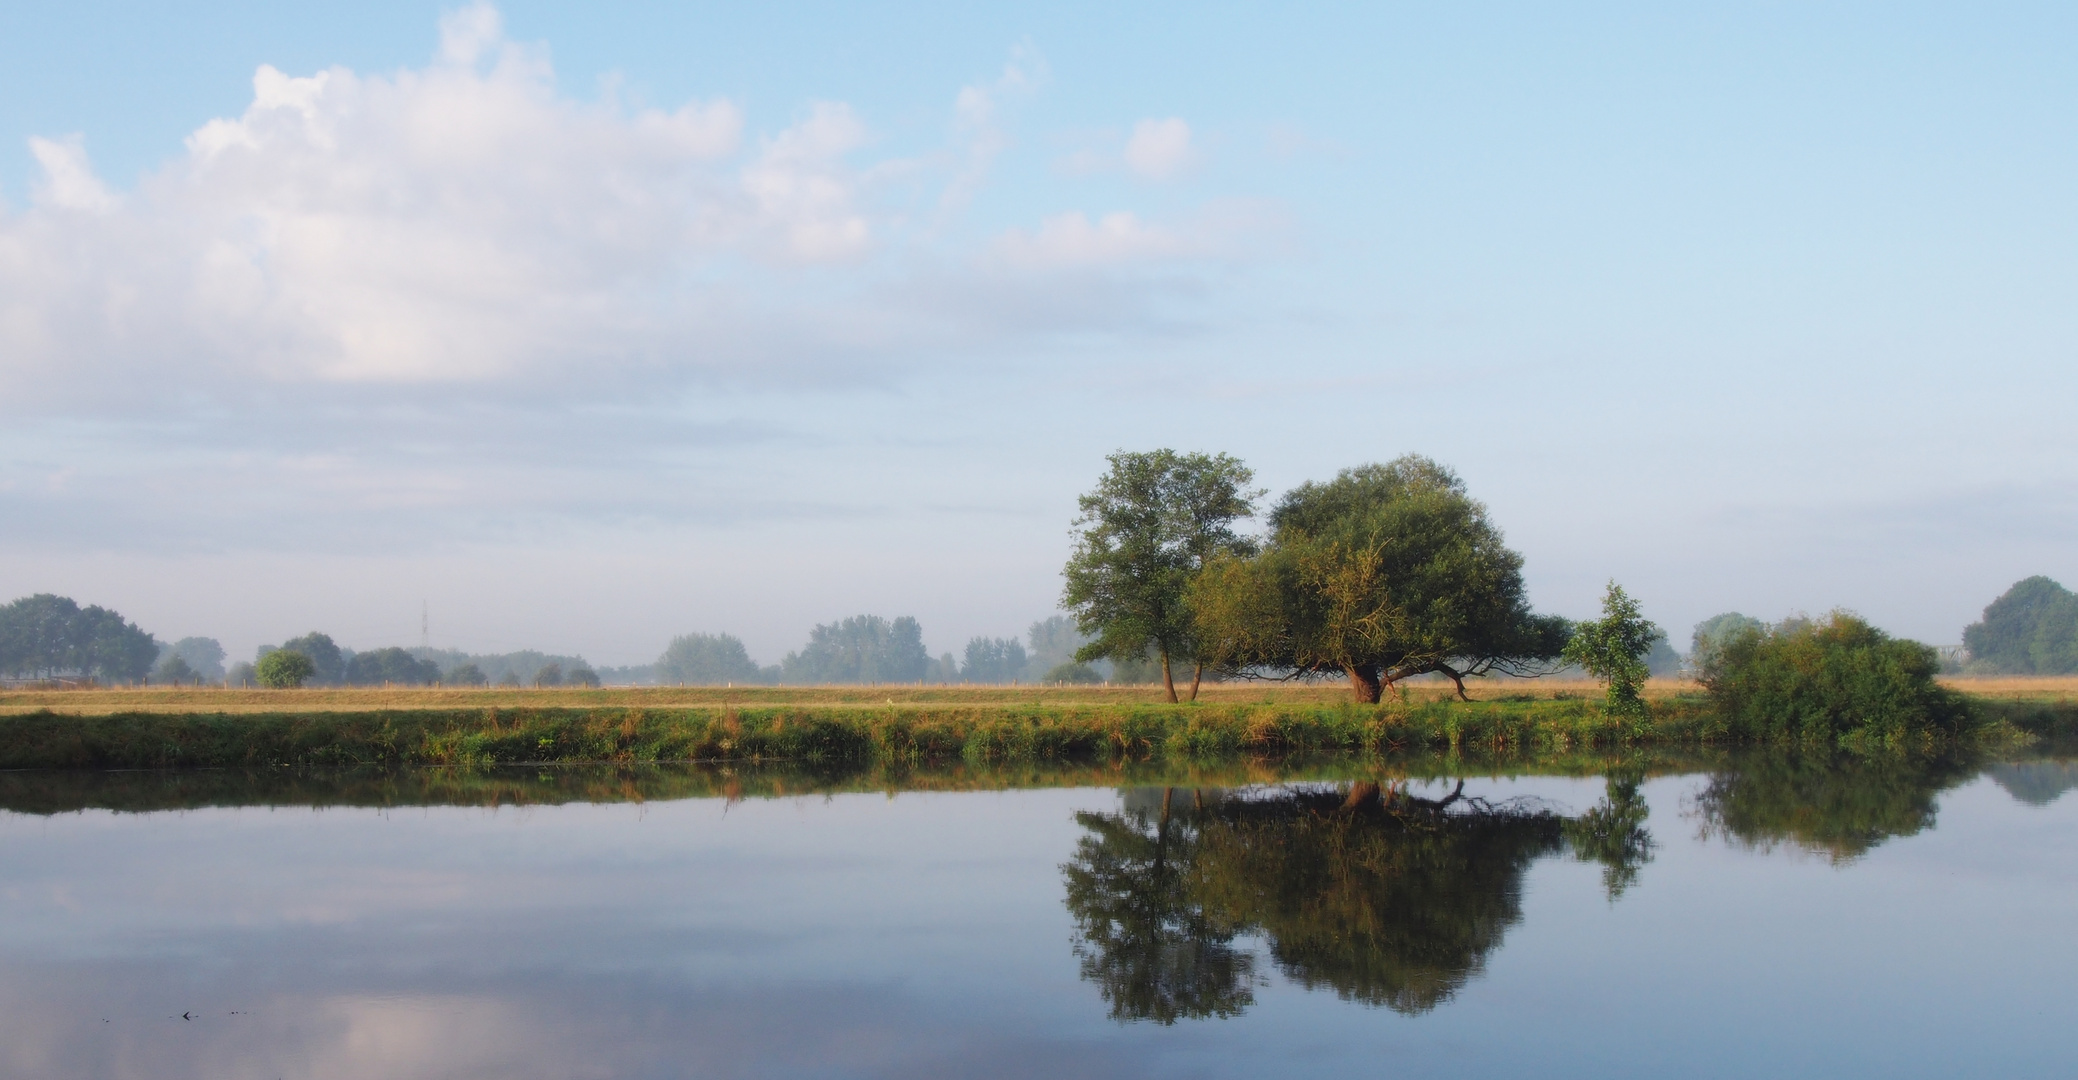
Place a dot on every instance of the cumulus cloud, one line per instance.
(1159, 149)
(465, 223)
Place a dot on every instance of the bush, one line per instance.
(1073, 673)
(284, 669)
(1835, 677)
(465, 675)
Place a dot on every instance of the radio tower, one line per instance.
(425, 633)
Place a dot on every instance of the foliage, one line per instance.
(176, 671)
(1153, 522)
(993, 660)
(1714, 633)
(1051, 642)
(1073, 673)
(1829, 679)
(2032, 629)
(1386, 572)
(707, 660)
(466, 675)
(1663, 661)
(390, 666)
(321, 651)
(204, 656)
(549, 675)
(46, 635)
(860, 649)
(1613, 648)
(284, 669)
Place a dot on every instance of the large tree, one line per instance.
(1386, 572)
(1155, 520)
(2032, 629)
(46, 635)
(326, 657)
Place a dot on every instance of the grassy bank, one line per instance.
(975, 729)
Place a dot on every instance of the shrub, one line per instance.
(1835, 677)
(284, 669)
(1072, 672)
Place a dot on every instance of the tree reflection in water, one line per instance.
(1384, 897)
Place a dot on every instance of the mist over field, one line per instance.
(491, 329)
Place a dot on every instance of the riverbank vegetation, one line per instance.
(909, 725)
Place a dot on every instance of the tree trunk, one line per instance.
(1168, 679)
(1197, 676)
(1456, 678)
(1363, 681)
(1361, 792)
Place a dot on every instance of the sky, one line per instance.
(576, 327)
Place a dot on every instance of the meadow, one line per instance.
(156, 727)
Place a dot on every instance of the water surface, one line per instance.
(1737, 917)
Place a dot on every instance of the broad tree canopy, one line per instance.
(1386, 572)
(46, 635)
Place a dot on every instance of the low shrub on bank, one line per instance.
(1833, 678)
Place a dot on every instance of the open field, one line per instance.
(166, 699)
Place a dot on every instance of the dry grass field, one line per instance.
(167, 699)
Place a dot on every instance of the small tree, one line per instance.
(1613, 648)
(1155, 520)
(284, 669)
(176, 670)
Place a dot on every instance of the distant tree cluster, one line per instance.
(709, 660)
(2030, 630)
(46, 636)
(860, 649)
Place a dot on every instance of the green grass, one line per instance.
(895, 734)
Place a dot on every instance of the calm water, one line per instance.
(1763, 917)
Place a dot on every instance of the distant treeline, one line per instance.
(2030, 630)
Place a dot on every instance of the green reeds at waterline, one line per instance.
(855, 734)
(891, 734)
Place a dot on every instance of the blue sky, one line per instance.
(586, 326)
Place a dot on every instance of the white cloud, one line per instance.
(1159, 149)
(1073, 240)
(463, 222)
(69, 182)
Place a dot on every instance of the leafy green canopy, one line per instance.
(2031, 630)
(46, 635)
(1835, 677)
(1613, 648)
(284, 669)
(1386, 572)
(1155, 520)
(707, 660)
